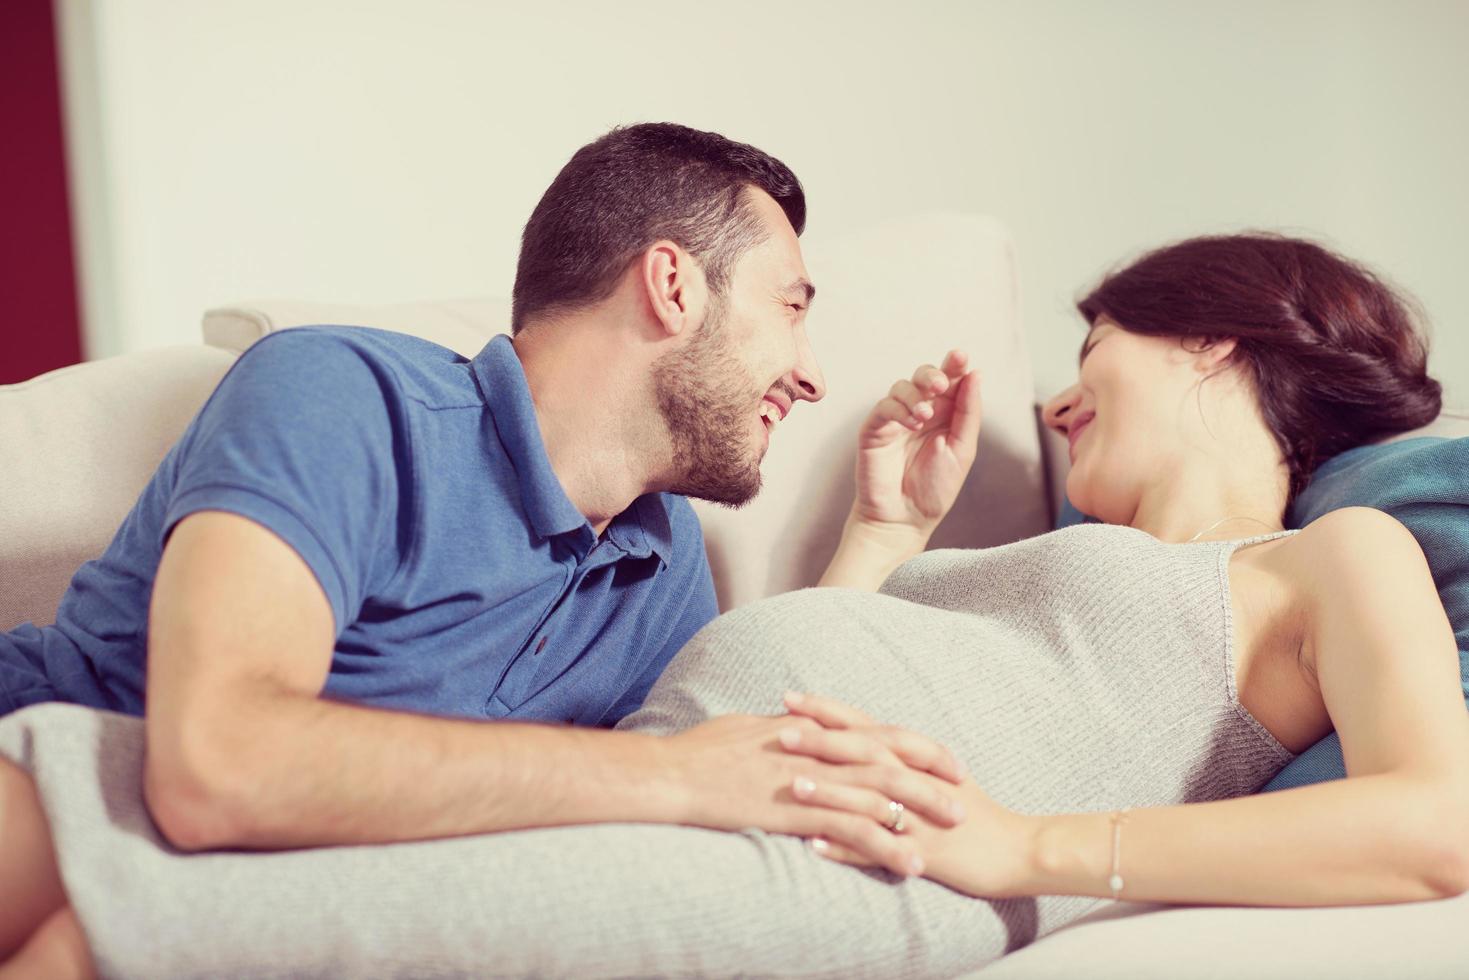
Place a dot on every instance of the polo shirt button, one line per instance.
(540, 646)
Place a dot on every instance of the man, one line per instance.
(370, 571)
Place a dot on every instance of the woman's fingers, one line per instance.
(854, 799)
(968, 413)
(910, 397)
(868, 842)
(930, 381)
(926, 398)
(892, 410)
(879, 806)
(917, 791)
(921, 753)
(836, 852)
(830, 712)
(914, 750)
(954, 364)
(866, 789)
(840, 747)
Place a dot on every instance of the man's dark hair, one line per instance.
(631, 188)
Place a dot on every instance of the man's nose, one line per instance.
(807, 378)
(1058, 410)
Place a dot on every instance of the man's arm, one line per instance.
(242, 751)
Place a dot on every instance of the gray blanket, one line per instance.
(1083, 670)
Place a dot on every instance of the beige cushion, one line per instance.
(79, 444)
(460, 325)
(1413, 941)
(889, 299)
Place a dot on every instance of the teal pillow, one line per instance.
(1424, 483)
(1070, 515)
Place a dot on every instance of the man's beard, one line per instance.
(705, 397)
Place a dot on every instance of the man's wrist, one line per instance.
(664, 793)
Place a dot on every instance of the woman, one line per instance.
(1115, 690)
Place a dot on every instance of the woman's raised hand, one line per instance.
(916, 447)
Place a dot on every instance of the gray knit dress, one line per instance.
(1086, 669)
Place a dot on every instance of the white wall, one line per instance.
(367, 150)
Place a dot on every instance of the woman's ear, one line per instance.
(674, 286)
(1211, 356)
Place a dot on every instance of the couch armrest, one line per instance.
(79, 445)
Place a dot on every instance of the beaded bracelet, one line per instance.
(1118, 818)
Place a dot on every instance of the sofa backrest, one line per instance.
(888, 299)
(79, 444)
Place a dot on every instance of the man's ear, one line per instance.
(674, 285)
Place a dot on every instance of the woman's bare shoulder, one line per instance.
(1352, 528)
(1346, 550)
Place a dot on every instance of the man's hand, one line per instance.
(740, 771)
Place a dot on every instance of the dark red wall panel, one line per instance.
(40, 326)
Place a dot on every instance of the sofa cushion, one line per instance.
(463, 326)
(890, 298)
(79, 444)
(1149, 942)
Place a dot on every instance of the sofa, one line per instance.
(79, 444)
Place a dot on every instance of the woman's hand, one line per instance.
(740, 771)
(985, 851)
(916, 448)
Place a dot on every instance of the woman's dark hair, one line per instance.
(1335, 355)
(635, 186)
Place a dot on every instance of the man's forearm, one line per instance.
(295, 771)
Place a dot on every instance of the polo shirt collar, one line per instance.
(641, 529)
(644, 528)
(502, 382)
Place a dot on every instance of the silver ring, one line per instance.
(895, 811)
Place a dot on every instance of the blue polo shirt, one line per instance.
(415, 485)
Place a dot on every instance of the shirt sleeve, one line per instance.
(304, 436)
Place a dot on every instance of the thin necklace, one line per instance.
(1224, 520)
